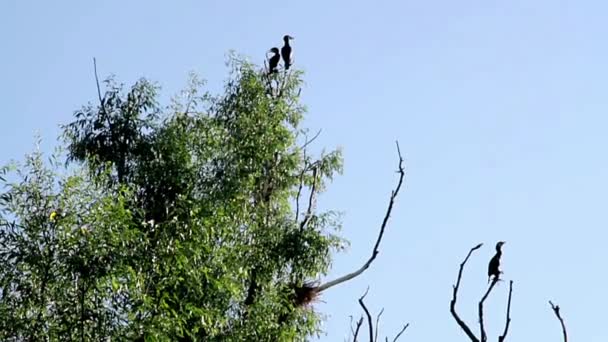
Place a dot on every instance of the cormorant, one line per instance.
(286, 51)
(494, 266)
(273, 62)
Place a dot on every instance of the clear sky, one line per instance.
(500, 108)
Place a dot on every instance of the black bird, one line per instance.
(273, 62)
(286, 51)
(494, 266)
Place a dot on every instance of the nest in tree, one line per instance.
(304, 294)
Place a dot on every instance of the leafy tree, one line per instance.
(196, 221)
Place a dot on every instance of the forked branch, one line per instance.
(460, 322)
(561, 320)
(482, 331)
(373, 335)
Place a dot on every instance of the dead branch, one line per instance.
(375, 251)
(482, 330)
(378, 324)
(399, 333)
(460, 322)
(369, 317)
(309, 141)
(561, 320)
(502, 337)
(355, 332)
(373, 335)
(311, 199)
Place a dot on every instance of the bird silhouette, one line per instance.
(494, 265)
(286, 52)
(273, 61)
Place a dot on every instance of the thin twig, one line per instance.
(482, 330)
(356, 332)
(308, 142)
(369, 317)
(97, 82)
(502, 337)
(378, 324)
(311, 199)
(460, 322)
(400, 332)
(300, 186)
(375, 251)
(561, 320)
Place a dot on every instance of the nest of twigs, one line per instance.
(304, 294)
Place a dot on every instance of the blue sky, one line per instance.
(499, 106)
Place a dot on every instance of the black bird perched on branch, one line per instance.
(494, 266)
(273, 61)
(286, 52)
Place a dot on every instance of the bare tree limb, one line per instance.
(502, 337)
(356, 332)
(311, 199)
(309, 141)
(460, 322)
(482, 330)
(378, 324)
(369, 317)
(373, 335)
(97, 83)
(375, 251)
(561, 320)
(400, 333)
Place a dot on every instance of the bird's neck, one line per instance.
(286, 42)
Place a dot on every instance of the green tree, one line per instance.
(196, 221)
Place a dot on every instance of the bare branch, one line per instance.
(356, 332)
(311, 199)
(369, 317)
(373, 335)
(97, 83)
(482, 330)
(378, 324)
(561, 320)
(502, 337)
(300, 187)
(308, 142)
(400, 332)
(375, 251)
(460, 322)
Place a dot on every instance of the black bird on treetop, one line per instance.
(273, 62)
(494, 266)
(286, 51)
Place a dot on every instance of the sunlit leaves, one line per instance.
(178, 225)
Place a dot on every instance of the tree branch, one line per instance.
(311, 199)
(561, 320)
(356, 331)
(373, 335)
(460, 322)
(378, 324)
(400, 333)
(375, 251)
(369, 317)
(502, 337)
(482, 330)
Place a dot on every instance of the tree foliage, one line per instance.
(187, 222)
